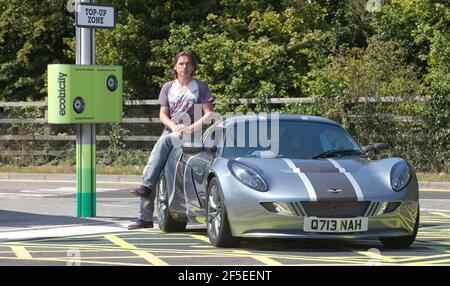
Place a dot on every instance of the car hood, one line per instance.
(333, 165)
(347, 178)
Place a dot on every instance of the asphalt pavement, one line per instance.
(38, 226)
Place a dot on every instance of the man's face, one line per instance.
(184, 67)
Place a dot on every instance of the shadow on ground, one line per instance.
(13, 219)
(332, 245)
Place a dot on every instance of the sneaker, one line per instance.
(143, 192)
(141, 224)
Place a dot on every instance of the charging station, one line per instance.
(84, 94)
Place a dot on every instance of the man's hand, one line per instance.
(178, 127)
(187, 130)
(179, 130)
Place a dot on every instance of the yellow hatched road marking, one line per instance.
(441, 214)
(376, 256)
(441, 262)
(233, 253)
(86, 262)
(94, 247)
(156, 238)
(200, 237)
(25, 251)
(83, 247)
(142, 253)
(263, 259)
(418, 258)
(21, 252)
(87, 258)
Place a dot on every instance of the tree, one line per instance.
(31, 36)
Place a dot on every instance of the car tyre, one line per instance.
(166, 221)
(217, 224)
(402, 241)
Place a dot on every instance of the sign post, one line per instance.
(86, 94)
(88, 17)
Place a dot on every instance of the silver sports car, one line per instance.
(291, 176)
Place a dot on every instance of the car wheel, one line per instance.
(165, 219)
(402, 241)
(217, 224)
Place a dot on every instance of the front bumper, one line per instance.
(248, 218)
(266, 224)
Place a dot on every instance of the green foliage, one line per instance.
(25, 129)
(381, 70)
(67, 157)
(334, 51)
(355, 74)
(437, 116)
(116, 144)
(31, 36)
(132, 157)
(308, 109)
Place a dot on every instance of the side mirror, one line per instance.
(192, 148)
(372, 148)
(380, 146)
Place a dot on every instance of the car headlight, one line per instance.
(247, 176)
(400, 176)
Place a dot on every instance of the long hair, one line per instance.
(191, 57)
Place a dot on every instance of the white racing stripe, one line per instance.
(184, 183)
(350, 177)
(304, 178)
(174, 180)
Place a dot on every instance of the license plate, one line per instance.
(314, 224)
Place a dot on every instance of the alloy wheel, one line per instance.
(214, 212)
(162, 199)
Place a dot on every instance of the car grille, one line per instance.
(335, 209)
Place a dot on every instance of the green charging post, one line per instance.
(85, 94)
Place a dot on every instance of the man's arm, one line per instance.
(207, 112)
(164, 116)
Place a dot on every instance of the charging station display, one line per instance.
(84, 94)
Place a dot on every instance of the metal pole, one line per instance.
(86, 156)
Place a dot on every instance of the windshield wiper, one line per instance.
(334, 152)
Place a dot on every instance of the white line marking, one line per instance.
(304, 178)
(441, 214)
(435, 210)
(174, 180)
(350, 177)
(184, 184)
(434, 190)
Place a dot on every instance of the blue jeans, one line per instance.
(155, 164)
(152, 170)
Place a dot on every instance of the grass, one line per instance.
(137, 170)
(66, 169)
(433, 177)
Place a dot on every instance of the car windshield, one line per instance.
(288, 139)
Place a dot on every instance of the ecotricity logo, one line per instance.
(62, 93)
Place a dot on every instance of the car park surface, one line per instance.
(38, 227)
